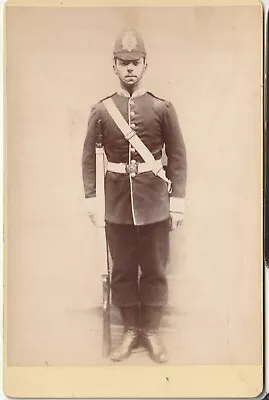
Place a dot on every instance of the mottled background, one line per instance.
(207, 61)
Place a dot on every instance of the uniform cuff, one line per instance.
(177, 204)
(90, 204)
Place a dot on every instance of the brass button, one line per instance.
(133, 162)
(133, 126)
(132, 113)
(132, 174)
(132, 150)
(131, 102)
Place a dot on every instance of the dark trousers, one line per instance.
(131, 247)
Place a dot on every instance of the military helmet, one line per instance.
(129, 45)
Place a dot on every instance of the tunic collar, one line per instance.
(136, 93)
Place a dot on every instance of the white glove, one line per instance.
(176, 219)
(91, 204)
(177, 207)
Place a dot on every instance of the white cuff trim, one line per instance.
(90, 204)
(177, 204)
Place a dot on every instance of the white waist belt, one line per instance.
(134, 167)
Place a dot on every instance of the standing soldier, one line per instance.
(142, 201)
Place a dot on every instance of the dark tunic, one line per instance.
(143, 199)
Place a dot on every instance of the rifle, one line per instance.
(104, 255)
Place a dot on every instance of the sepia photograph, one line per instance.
(133, 199)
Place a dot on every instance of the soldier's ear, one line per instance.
(114, 66)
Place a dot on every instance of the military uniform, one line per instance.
(137, 204)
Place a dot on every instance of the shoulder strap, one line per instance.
(132, 138)
(156, 97)
(107, 97)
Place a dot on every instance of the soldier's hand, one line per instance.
(176, 219)
(92, 217)
(91, 204)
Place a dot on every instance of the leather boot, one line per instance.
(151, 317)
(153, 344)
(130, 336)
(128, 343)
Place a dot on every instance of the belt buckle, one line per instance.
(132, 168)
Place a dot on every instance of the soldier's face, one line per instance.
(130, 71)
